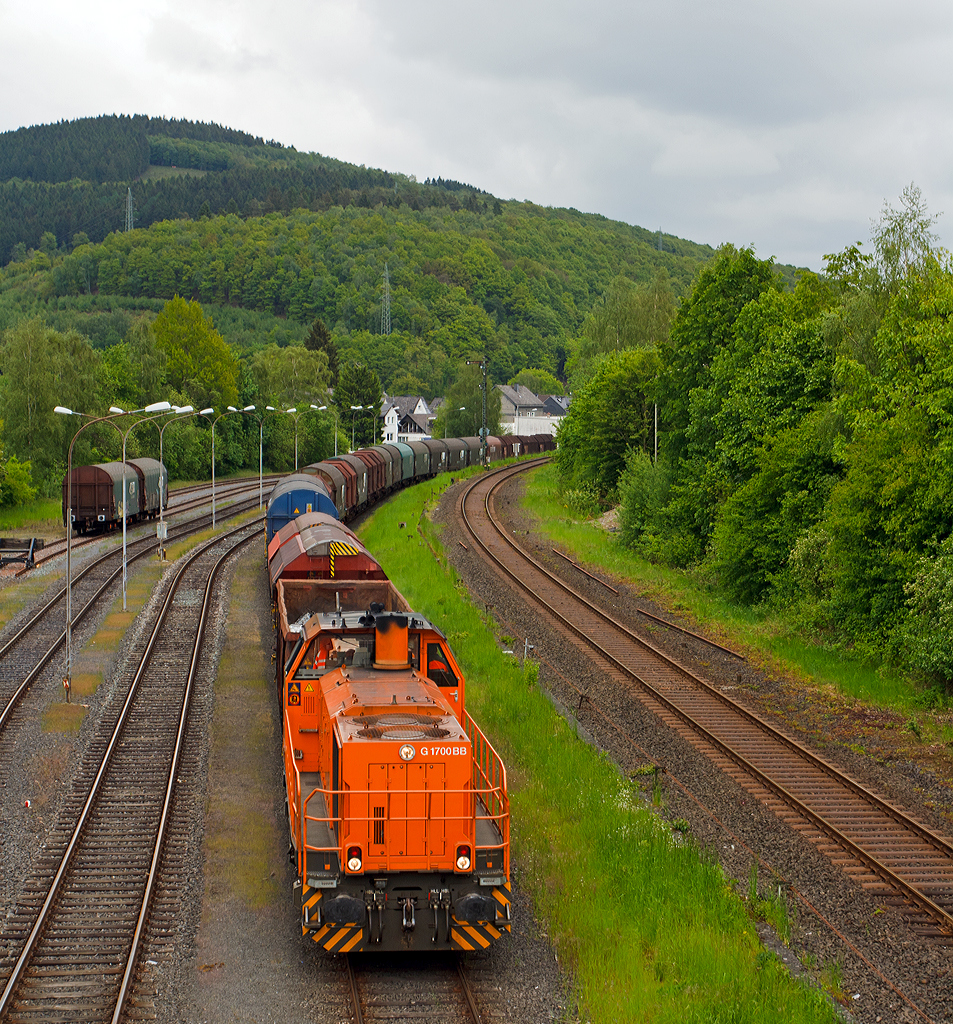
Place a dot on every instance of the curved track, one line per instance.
(69, 952)
(881, 847)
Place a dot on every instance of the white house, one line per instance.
(406, 418)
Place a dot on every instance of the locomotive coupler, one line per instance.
(439, 899)
(409, 921)
(375, 900)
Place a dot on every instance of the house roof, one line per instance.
(555, 405)
(415, 423)
(407, 403)
(519, 397)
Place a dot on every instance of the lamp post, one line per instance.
(482, 364)
(183, 411)
(321, 408)
(208, 412)
(354, 409)
(159, 409)
(375, 413)
(295, 415)
(63, 411)
(261, 445)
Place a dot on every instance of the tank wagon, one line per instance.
(97, 498)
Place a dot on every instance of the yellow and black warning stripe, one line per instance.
(335, 938)
(339, 547)
(481, 936)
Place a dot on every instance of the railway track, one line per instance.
(183, 499)
(893, 856)
(25, 655)
(435, 989)
(69, 951)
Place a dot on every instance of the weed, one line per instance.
(934, 699)
(773, 909)
(680, 825)
(832, 981)
(531, 672)
(914, 726)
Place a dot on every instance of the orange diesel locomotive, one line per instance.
(397, 802)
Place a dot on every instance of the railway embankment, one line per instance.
(647, 922)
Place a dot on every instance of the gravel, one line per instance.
(835, 921)
(237, 955)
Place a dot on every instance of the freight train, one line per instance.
(93, 497)
(397, 803)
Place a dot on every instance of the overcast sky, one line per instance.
(780, 125)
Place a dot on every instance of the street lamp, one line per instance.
(185, 411)
(261, 437)
(63, 411)
(482, 364)
(321, 408)
(354, 409)
(295, 415)
(208, 412)
(159, 409)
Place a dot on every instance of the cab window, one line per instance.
(438, 666)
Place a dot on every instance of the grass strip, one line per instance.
(763, 634)
(651, 927)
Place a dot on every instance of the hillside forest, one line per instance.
(804, 440)
(783, 434)
(233, 298)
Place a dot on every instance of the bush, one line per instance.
(643, 492)
(928, 629)
(16, 486)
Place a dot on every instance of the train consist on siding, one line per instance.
(93, 498)
(397, 802)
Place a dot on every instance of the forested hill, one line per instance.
(72, 178)
(269, 240)
(108, 148)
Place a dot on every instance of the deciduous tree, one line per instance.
(200, 363)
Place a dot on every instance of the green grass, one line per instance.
(765, 638)
(651, 928)
(40, 518)
(156, 172)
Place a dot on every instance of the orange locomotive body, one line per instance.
(397, 803)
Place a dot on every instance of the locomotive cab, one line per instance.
(397, 802)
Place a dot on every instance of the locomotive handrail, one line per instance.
(501, 820)
(489, 766)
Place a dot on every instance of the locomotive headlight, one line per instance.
(354, 862)
(463, 858)
(407, 752)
